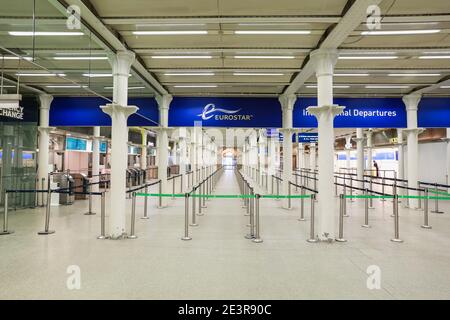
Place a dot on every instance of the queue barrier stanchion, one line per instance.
(203, 197)
(200, 200)
(335, 186)
(90, 213)
(194, 216)
(5, 230)
(173, 188)
(145, 216)
(47, 215)
(345, 199)
(289, 195)
(103, 217)
(302, 204)
(133, 217)
(42, 188)
(366, 209)
(351, 189)
(186, 218)
(312, 236)
(425, 211)
(396, 221)
(257, 237)
(160, 192)
(251, 225)
(340, 237)
(371, 198)
(436, 201)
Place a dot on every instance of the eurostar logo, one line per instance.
(210, 109)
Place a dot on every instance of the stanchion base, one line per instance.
(438, 212)
(246, 214)
(132, 237)
(6, 232)
(372, 208)
(258, 240)
(365, 226)
(193, 224)
(312, 240)
(102, 237)
(397, 240)
(346, 215)
(203, 207)
(200, 214)
(145, 218)
(340, 240)
(186, 238)
(249, 236)
(426, 227)
(301, 219)
(46, 232)
(90, 213)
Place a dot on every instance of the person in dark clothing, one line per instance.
(375, 164)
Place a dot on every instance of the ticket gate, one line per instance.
(66, 182)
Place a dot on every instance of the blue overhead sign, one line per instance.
(308, 137)
(225, 112)
(359, 113)
(85, 111)
(434, 113)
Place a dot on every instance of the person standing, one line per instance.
(375, 164)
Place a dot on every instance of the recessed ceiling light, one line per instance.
(281, 32)
(40, 74)
(196, 86)
(257, 74)
(80, 58)
(264, 57)
(44, 33)
(414, 74)
(351, 74)
(434, 57)
(367, 57)
(181, 57)
(190, 74)
(399, 32)
(169, 33)
(386, 87)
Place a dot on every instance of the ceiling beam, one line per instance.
(109, 40)
(353, 17)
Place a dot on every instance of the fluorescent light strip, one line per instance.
(281, 32)
(367, 57)
(414, 74)
(190, 74)
(43, 33)
(97, 75)
(80, 58)
(65, 86)
(351, 74)
(445, 87)
(181, 57)
(399, 32)
(335, 87)
(257, 74)
(129, 88)
(15, 58)
(195, 86)
(40, 74)
(434, 57)
(169, 33)
(264, 57)
(386, 87)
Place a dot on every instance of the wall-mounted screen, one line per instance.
(76, 144)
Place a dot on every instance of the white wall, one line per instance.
(432, 159)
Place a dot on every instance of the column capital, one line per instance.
(45, 101)
(414, 130)
(358, 139)
(324, 61)
(46, 129)
(112, 108)
(121, 62)
(164, 101)
(287, 101)
(411, 101)
(329, 111)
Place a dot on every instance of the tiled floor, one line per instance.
(219, 263)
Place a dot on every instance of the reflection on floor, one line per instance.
(219, 263)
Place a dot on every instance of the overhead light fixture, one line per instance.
(414, 74)
(44, 33)
(99, 75)
(445, 87)
(129, 88)
(399, 32)
(169, 33)
(15, 58)
(196, 86)
(351, 74)
(335, 86)
(264, 57)
(385, 87)
(190, 74)
(181, 57)
(80, 58)
(65, 86)
(280, 32)
(434, 57)
(367, 57)
(256, 74)
(41, 74)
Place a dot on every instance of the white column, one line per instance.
(401, 155)
(271, 163)
(359, 156)
(193, 154)
(369, 165)
(262, 155)
(96, 158)
(411, 102)
(183, 158)
(348, 148)
(313, 156)
(327, 211)
(144, 149)
(287, 107)
(163, 144)
(44, 141)
(300, 156)
(119, 111)
(448, 157)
